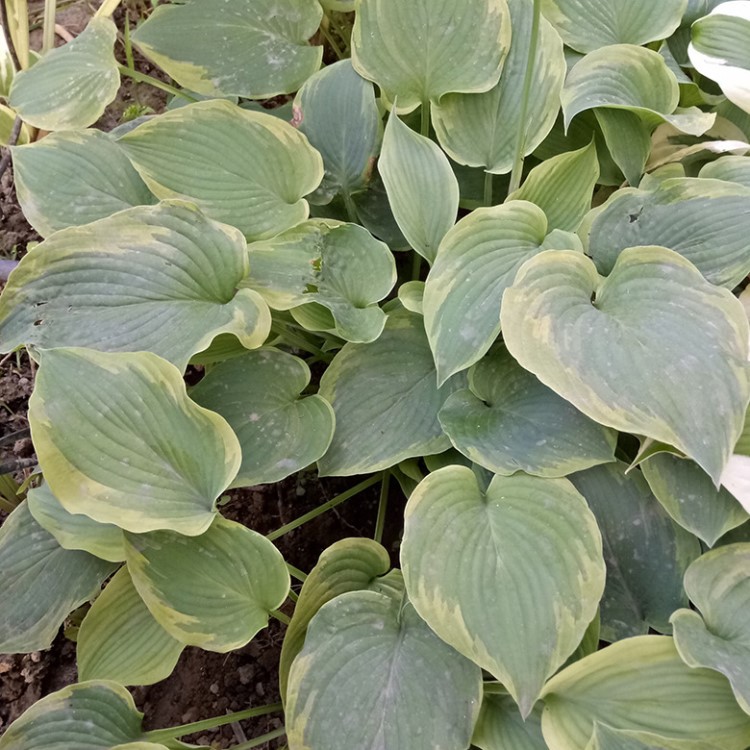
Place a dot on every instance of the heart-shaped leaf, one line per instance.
(259, 395)
(119, 440)
(120, 640)
(655, 315)
(719, 585)
(215, 590)
(263, 45)
(372, 674)
(394, 45)
(500, 726)
(128, 282)
(247, 169)
(497, 573)
(729, 168)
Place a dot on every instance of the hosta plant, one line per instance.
(510, 240)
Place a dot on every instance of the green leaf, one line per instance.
(130, 282)
(7, 68)
(641, 685)
(497, 574)
(586, 25)
(729, 168)
(477, 262)
(372, 674)
(74, 530)
(645, 551)
(507, 421)
(421, 187)
(251, 48)
(347, 565)
(119, 639)
(482, 130)
(247, 169)
(690, 497)
(41, 584)
(500, 726)
(606, 738)
(71, 85)
(339, 266)
(421, 50)
(280, 432)
(719, 585)
(386, 400)
(337, 111)
(562, 187)
(215, 590)
(719, 50)
(628, 140)
(119, 440)
(73, 178)
(7, 121)
(703, 220)
(654, 316)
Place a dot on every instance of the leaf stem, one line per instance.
(10, 42)
(107, 8)
(334, 44)
(280, 616)
(382, 507)
(488, 188)
(351, 208)
(298, 342)
(425, 125)
(128, 44)
(155, 82)
(296, 573)
(48, 31)
(258, 741)
(416, 266)
(515, 177)
(343, 497)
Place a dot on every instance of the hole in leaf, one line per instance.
(38, 322)
(635, 216)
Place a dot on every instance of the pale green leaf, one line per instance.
(736, 474)
(654, 316)
(280, 432)
(497, 574)
(483, 130)
(606, 738)
(373, 675)
(247, 169)
(386, 400)
(342, 6)
(41, 584)
(719, 586)
(251, 48)
(729, 168)
(69, 179)
(421, 50)
(7, 121)
(120, 640)
(71, 85)
(421, 187)
(500, 726)
(153, 278)
(347, 565)
(641, 685)
(645, 551)
(628, 140)
(411, 296)
(7, 68)
(119, 440)
(508, 421)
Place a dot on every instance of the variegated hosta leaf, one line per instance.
(41, 584)
(645, 551)
(729, 168)
(337, 111)
(477, 261)
(483, 130)
(247, 169)
(71, 85)
(342, 6)
(719, 586)
(119, 440)
(411, 50)
(507, 421)
(386, 400)
(347, 565)
(339, 266)
(421, 187)
(704, 220)
(501, 727)
(562, 187)
(654, 315)
(641, 685)
(74, 530)
(720, 49)
(690, 497)
(7, 68)
(259, 395)
(98, 714)
(586, 25)
(120, 640)
(372, 674)
(606, 738)
(130, 282)
(511, 578)
(215, 590)
(73, 178)
(7, 121)
(736, 474)
(251, 48)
